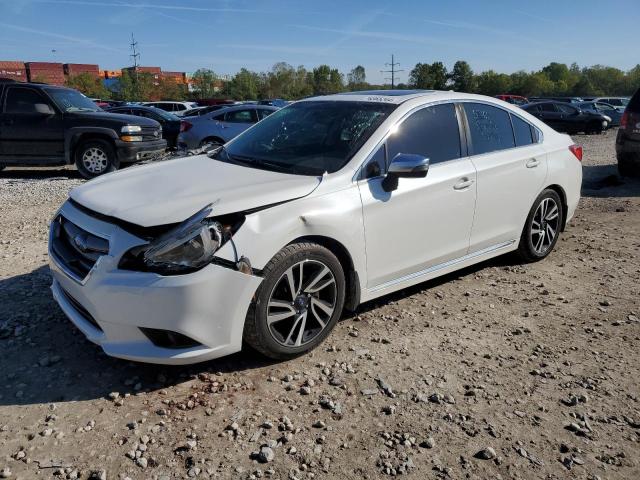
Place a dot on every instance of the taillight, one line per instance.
(185, 126)
(577, 151)
(624, 121)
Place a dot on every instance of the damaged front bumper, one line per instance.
(145, 316)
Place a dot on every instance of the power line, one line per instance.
(393, 71)
(135, 56)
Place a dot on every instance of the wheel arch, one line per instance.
(77, 137)
(352, 280)
(563, 198)
(214, 138)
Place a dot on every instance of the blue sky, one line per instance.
(225, 35)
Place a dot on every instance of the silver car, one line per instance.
(217, 128)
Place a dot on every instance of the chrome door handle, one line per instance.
(533, 163)
(463, 183)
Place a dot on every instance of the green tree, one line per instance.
(245, 85)
(429, 76)
(327, 80)
(133, 87)
(204, 83)
(492, 83)
(171, 90)
(461, 77)
(357, 78)
(280, 81)
(88, 84)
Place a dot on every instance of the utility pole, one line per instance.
(135, 56)
(393, 71)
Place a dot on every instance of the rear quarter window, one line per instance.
(522, 131)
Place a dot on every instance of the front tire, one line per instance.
(95, 157)
(298, 303)
(542, 228)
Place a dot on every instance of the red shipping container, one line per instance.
(13, 70)
(44, 66)
(17, 74)
(11, 65)
(78, 68)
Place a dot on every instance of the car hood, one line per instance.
(125, 119)
(171, 191)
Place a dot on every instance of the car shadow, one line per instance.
(604, 181)
(45, 359)
(50, 173)
(507, 260)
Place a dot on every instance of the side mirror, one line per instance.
(405, 165)
(43, 109)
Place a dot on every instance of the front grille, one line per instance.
(81, 310)
(151, 133)
(74, 248)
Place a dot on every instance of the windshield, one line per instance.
(72, 101)
(165, 115)
(307, 138)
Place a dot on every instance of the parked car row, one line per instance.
(220, 126)
(567, 117)
(573, 114)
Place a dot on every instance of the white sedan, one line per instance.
(328, 203)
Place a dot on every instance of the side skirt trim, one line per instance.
(441, 266)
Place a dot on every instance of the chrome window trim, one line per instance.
(359, 175)
(360, 170)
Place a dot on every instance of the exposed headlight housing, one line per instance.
(131, 129)
(185, 248)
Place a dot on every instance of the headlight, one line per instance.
(186, 247)
(190, 245)
(131, 129)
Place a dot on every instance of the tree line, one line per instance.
(291, 83)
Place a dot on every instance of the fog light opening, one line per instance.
(168, 339)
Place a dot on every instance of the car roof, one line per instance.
(378, 96)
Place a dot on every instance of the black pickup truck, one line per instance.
(47, 125)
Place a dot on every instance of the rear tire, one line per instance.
(298, 303)
(542, 228)
(95, 157)
(627, 167)
(594, 127)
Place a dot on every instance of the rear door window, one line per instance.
(241, 116)
(432, 132)
(567, 109)
(490, 128)
(547, 107)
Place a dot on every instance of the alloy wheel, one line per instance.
(301, 303)
(544, 225)
(95, 160)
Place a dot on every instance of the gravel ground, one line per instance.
(502, 370)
